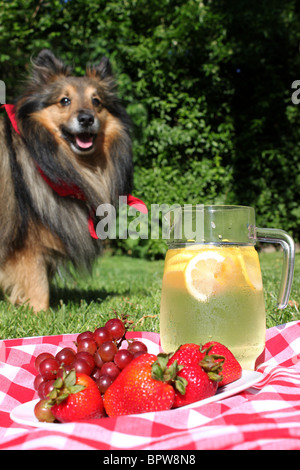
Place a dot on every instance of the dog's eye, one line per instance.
(96, 102)
(65, 101)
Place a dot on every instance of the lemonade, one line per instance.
(212, 292)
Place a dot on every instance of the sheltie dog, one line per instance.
(68, 151)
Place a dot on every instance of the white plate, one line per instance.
(24, 414)
(248, 379)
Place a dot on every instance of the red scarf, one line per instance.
(63, 189)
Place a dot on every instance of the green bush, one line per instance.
(207, 85)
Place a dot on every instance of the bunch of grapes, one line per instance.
(98, 355)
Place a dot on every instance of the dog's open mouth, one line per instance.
(82, 142)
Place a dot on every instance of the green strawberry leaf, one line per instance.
(157, 372)
(181, 384)
(160, 370)
(76, 388)
(63, 387)
(70, 379)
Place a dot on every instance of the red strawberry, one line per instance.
(76, 398)
(232, 370)
(189, 346)
(187, 354)
(199, 377)
(144, 385)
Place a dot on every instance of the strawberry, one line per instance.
(75, 397)
(189, 346)
(199, 375)
(143, 385)
(187, 354)
(232, 370)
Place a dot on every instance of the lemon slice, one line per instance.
(251, 269)
(200, 274)
(182, 257)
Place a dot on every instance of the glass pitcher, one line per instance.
(212, 284)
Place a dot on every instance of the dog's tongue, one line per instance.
(84, 141)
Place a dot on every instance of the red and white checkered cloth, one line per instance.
(266, 416)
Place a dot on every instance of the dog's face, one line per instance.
(76, 110)
(77, 115)
(81, 110)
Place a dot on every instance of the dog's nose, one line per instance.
(85, 119)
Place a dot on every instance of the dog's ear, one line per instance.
(46, 67)
(102, 70)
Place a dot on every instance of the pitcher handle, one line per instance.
(272, 235)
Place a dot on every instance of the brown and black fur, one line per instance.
(38, 227)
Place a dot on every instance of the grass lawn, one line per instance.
(121, 284)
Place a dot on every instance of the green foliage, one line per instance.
(207, 85)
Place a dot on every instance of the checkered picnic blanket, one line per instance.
(266, 416)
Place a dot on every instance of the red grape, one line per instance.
(65, 356)
(85, 335)
(48, 368)
(116, 328)
(110, 369)
(102, 335)
(37, 381)
(123, 358)
(98, 359)
(138, 353)
(87, 345)
(82, 367)
(40, 358)
(107, 351)
(40, 391)
(86, 357)
(45, 388)
(137, 346)
(96, 374)
(103, 383)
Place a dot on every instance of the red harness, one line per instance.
(65, 190)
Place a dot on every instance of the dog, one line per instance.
(67, 150)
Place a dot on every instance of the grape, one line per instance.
(96, 373)
(123, 358)
(97, 355)
(87, 345)
(137, 346)
(65, 356)
(40, 390)
(85, 335)
(37, 381)
(42, 412)
(110, 369)
(86, 357)
(116, 328)
(45, 388)
(40, 358)
(48, 368)
(138, 353)
(107, 351)
(81, 366)
(103, 383)
(98, 359)
(102, 335)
